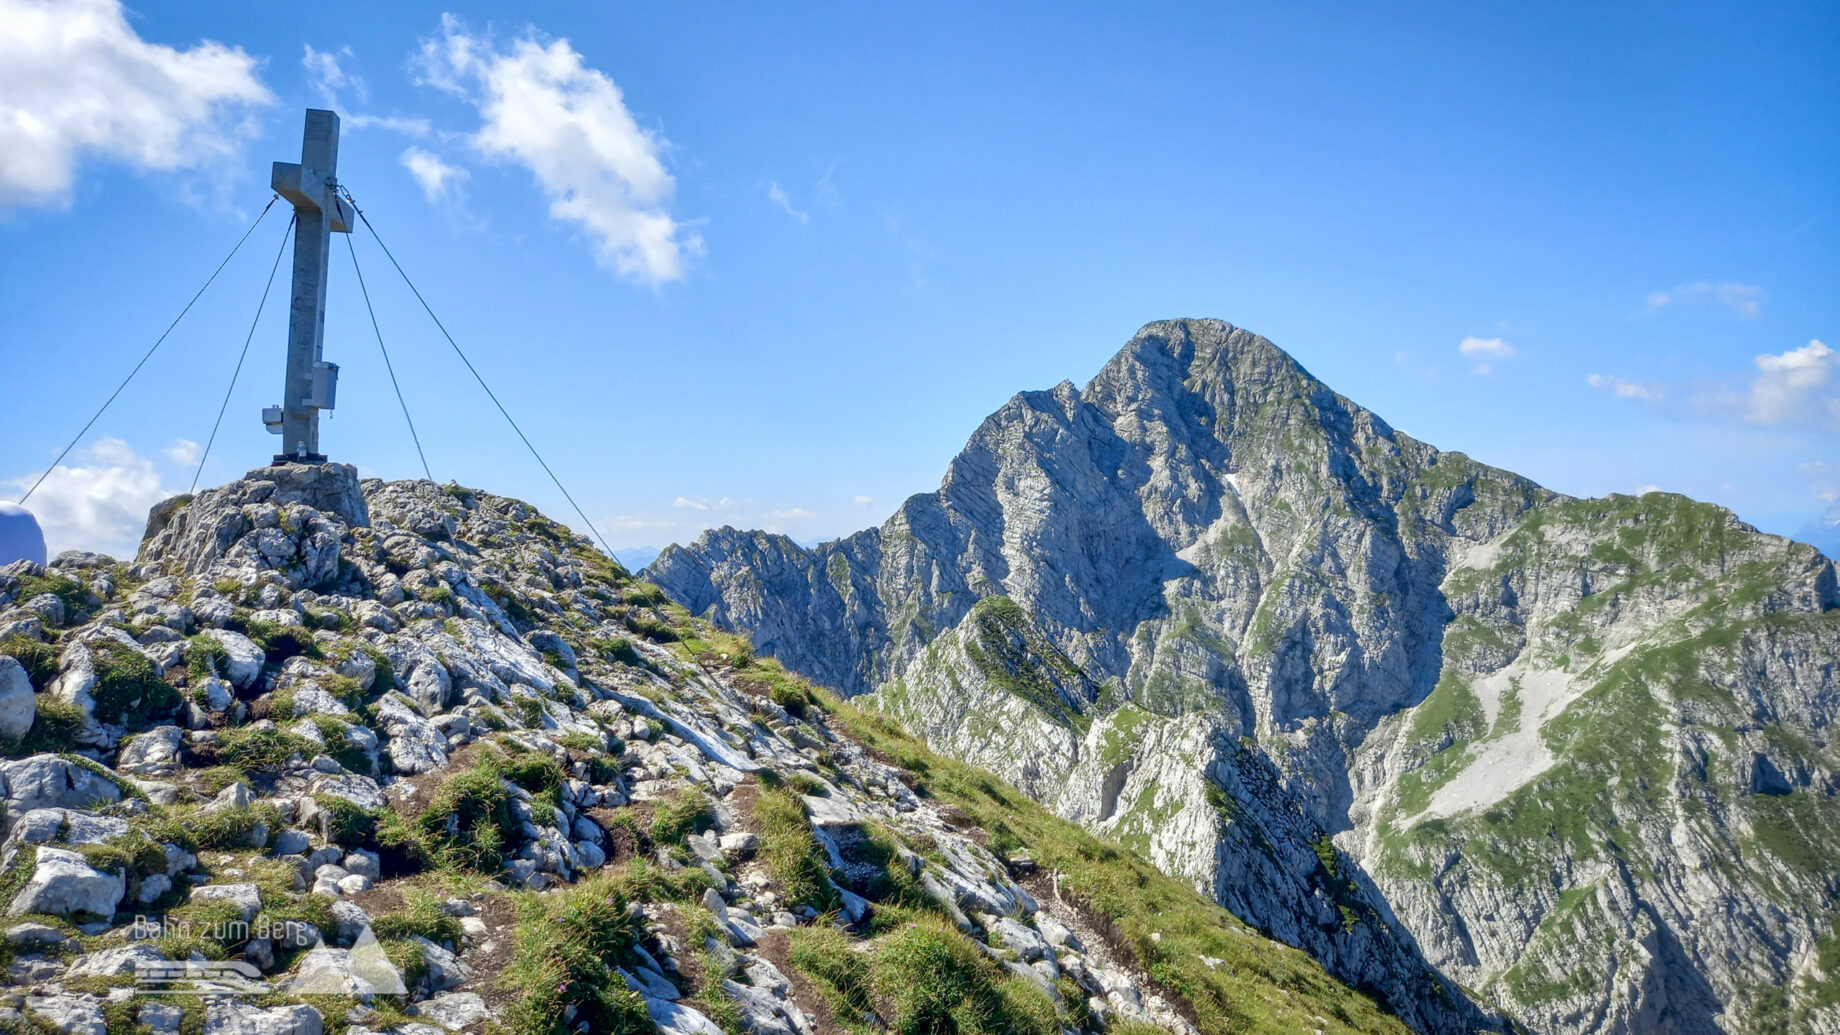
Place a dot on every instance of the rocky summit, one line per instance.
(1492, 754)
(333, 756)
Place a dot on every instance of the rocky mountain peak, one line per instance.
(1371, 695)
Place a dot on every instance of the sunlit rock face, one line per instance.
(1395, 705)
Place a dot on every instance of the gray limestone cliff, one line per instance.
(1388, 703)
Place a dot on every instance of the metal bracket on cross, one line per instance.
(311, 185)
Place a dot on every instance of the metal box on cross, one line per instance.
(312, 383)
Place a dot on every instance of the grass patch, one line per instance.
(680, 815)
(789, 850)
(128, 692)
(568, 943)
(40, 660)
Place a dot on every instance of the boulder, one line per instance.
(244, 666)
(453, 1010)
(64, 884)
(673, 1019)
(49, 782)
(163, 1018)
(229, 1017)
(32, 936)
(71, 826)
(110, 962)
(444, 968)
(18, 704)
(70, 1013)
(246, 897)
(153, 753)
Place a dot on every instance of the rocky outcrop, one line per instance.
(1391, 704)
(312, 756)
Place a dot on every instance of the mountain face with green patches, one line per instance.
(1476, 745)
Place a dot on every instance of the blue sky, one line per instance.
(767, 267)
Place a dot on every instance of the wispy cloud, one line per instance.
(1740, 298)
(183, 452)
(779, 198)
(1623, 388)
(543, 107)
(327, 75)
(439, 181)
(1488, 351)
(77, 82)
(331, 79)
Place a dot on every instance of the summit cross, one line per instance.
(312, 384)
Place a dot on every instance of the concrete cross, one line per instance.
(312, 383)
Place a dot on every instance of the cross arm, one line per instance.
(309, 191)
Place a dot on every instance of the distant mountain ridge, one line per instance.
(1382, 700)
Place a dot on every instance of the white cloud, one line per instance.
(326, 77)
(183, 452)
(1741, 298)
(863, 501)
(99, 503)
(790, 514)
(437, 178)
(1491, 347)
(778, 197)
(1790, 388)
(1626, 389)
(76, 82)
(1487, 350)
(544, 108)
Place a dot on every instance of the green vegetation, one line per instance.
(54, 728)
(940, 982)
(1013, 655)
(1261, 986)
(788, 848)
(259, 750)
(678, 816)
(567, 946)
(40, 660)
(422, 915)
(843, 976)
(69, 591)
(127, 690)
(205, 657)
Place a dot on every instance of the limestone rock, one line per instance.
(1347, 684)
(18, 704)
(231, 1017)
(70, 1013)
(64, 884)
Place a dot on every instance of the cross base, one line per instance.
(298, 458)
